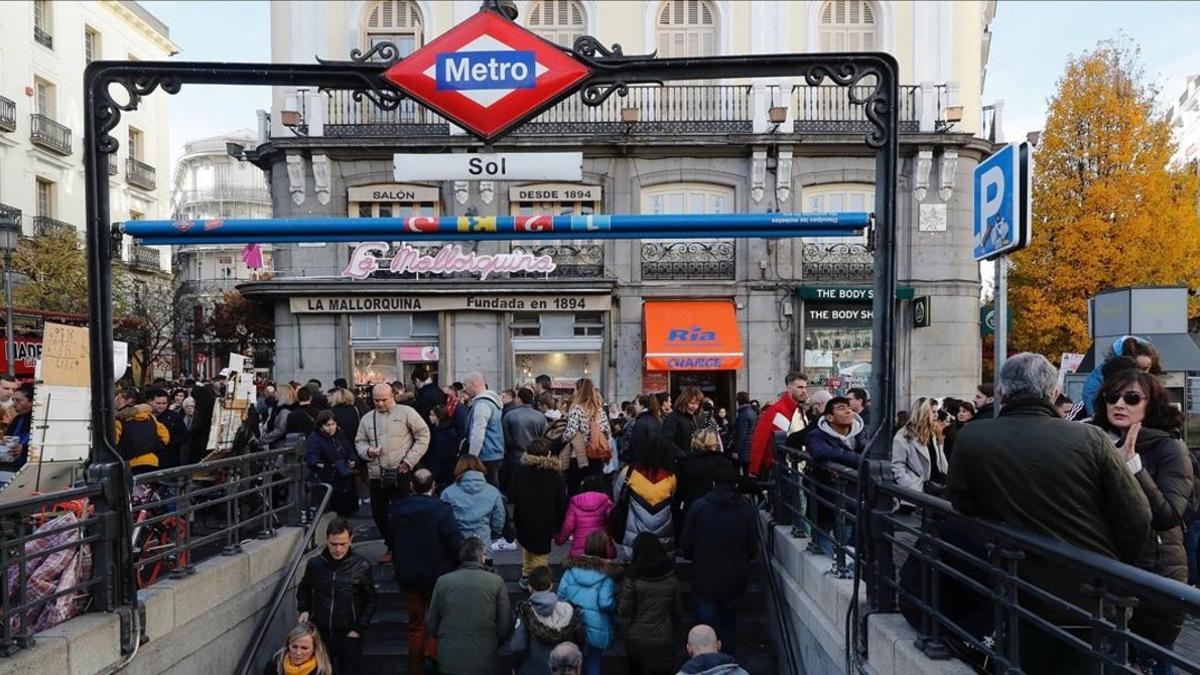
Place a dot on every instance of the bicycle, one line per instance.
(154, 542)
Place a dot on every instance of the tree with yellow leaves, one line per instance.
(1108, 210)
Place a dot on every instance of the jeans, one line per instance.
(720, 615)
(420, 645)
(381, 500)
(593, 660)
(345, 653)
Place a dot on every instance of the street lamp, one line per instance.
(10, 236)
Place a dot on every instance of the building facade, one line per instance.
(607, 308)
(1185, 122)
(210, 183)
(44, 47)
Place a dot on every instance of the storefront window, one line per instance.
(562, 367)
(837, 358)
(372, 366)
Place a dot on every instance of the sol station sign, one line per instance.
(487, 74)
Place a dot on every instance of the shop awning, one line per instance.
(692, 335)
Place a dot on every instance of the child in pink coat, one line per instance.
(586, 513)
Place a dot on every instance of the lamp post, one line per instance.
(10, 235)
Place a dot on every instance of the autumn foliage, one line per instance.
(1108, 210)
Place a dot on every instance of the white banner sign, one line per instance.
(562, 166)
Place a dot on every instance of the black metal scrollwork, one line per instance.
(108, 111)
(876, 104)
(381, 52)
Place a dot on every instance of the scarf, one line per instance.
(306, 668)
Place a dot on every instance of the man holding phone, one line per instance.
(391, 439)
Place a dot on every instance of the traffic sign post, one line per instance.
(1003, 189)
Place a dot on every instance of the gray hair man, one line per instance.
(705, 656)
(566, 659)
(392, 438)
(485, 431)
(1031, 469)
(470, 614)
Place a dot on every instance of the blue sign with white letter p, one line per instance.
(486, 70)
(1001, 190)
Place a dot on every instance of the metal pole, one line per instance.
(1001, 351)
(10, 349)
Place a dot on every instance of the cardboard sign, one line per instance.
(65, 355)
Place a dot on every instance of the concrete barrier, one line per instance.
(195, 625)
(818, 603)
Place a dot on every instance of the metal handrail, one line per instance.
(284, 584)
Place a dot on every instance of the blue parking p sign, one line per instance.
(1002, 188)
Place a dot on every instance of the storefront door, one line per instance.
(715, 384)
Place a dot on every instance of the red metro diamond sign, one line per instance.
(487, 74)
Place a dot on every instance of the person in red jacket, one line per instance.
(786, 415)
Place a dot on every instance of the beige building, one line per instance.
(756, 145)
(44, 48)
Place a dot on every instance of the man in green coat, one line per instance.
(470, 614)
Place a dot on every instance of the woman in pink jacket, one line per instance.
(586, 513)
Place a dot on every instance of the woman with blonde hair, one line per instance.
(697, 473)
(587, 436)
(917, 449)
(303, 653)
(285, 399)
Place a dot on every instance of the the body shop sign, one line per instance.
(369, 257)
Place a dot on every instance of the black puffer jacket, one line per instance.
(339, 595)
(678, 428)
(696, 474)
(652, 609)
(539, 502)
(720, 537)
(1167, 479)
(639, 433)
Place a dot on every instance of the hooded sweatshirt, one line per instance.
(139, 436)
(478, 507)
(543, 622)
(828, 445)
(484, 430)
(712, 664)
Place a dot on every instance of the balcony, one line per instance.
(45, 225)
(49, 134)
(223, 194)
(689, 260)
(43, 38)
(145, 257)
(573, 261)
(139, 174)
(8, 115)
(677, 109)
(113, 169)
(836, 262)
(7, 212)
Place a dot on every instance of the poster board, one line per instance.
(61, 424)
(65, 355)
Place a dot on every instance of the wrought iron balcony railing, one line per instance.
(828, 108)
(43, 38)
(8, 114)
(230, 193)
(7, 212)
(49, 134)
(140, 174)
(576, 260)
(46, 225)
(837, 262)
(692, 260)
(112, 165)
(145, 257)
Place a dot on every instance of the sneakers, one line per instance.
(502, 545)
(523, 584)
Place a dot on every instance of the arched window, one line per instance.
(395, 21)
(848, 26)
(687, 28)
(559, 21)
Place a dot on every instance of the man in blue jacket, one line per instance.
(837, 439)
(426, 541)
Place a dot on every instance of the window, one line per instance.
(589, 324)
(835, 198)
(526, 324)
(559, 21)
(46, 206)
(848, 26)
(395, 21)
(683, 198)
(44, 97)
(137, 143)
(42, 21)
(91, 44)
(135, 215)
(687, 28)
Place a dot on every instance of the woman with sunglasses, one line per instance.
(1134, 409)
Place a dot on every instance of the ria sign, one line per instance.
(488, 74)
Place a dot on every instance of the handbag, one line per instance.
(343, 469)
(597, 443)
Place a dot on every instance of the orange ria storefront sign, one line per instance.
(692, 335)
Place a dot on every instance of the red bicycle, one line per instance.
(156, 545)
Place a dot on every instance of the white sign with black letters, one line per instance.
(563, 166)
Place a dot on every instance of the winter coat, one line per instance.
(579, 424)
(470, 615)
(826, 446)
(637, 434)
(913, 461)
(696, 474)
(478, 507)
(178, 450)
(720, 537)
(652, 609)
(543, 622)
(649, 509)
(425, 540)
(401, 435)
(339, 595)
(273, 436)
(539, 501)
(1030, 468)
(743, 431)
(678, 428)
(1167, 479)
(484, 428)
(429, 396)
(717, 663)
(139, 436)
(347, 419)
(302, 419)
(589, 584)
(521, 426)
(443, 453)
(321, 448)
(586, 513)
(762, 443)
